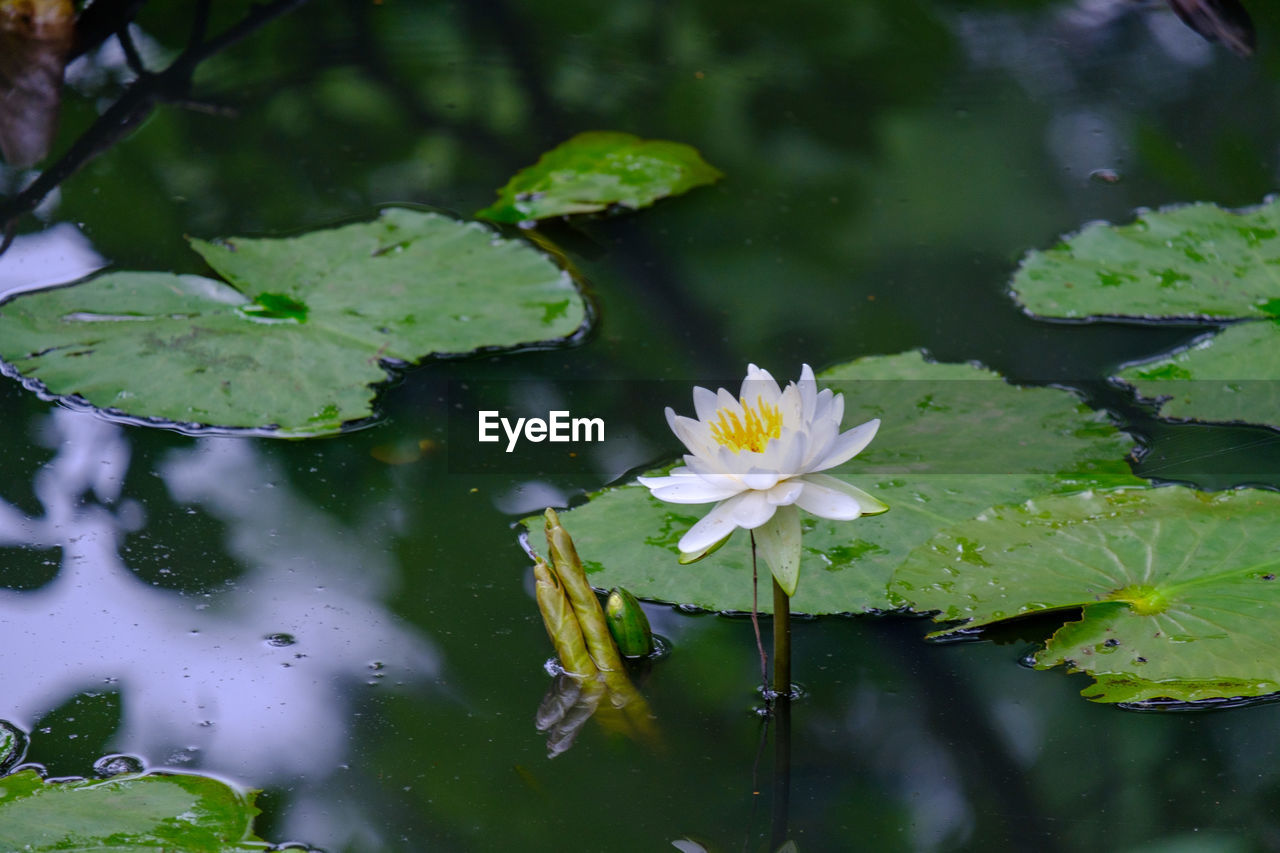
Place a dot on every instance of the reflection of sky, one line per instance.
(54, 256)
(200, 684)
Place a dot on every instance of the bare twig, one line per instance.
(131, 55)
(169, 85)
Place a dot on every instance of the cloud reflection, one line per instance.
(256, 680)
(56, 255)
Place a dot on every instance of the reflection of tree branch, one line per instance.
(948, 702)
(135, 104)
(496, 14)
(100, 20)
(199, 25)
(370, 60)
(131, 56)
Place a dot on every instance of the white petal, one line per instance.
(822, 434)
(734, 463)
(808, 393)
(779, 544)
(704, 403)
(868, 504)
(695, 490)
(785, 492)
(760, 479)
(693, 434)
(760, 383)
(703, 466)
(847, 446)
(791, 458)
(771, 457)
(837, 409)
(822, 407)
(791, 405)
(725, 400)
(675, 473)
(752, 509)
(713, 527)
(695, 556)
(827, 502)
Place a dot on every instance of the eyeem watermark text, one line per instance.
(559, 426)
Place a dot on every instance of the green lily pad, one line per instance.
(1193, 261)
(1230, 377)
(1179, 587)
(597, 169)
(298, 341)
(158, 812)
(954, 439)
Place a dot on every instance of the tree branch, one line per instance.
(171, 85)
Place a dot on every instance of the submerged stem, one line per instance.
(781, 643)
(755, 619)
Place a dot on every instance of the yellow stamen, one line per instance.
(750, 432)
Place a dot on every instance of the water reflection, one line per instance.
(53, 256)
(204, 679)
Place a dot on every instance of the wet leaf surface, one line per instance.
(597, 169)
(1198, 260)
(300, 336)
(1179, 587)
(1230, 377)
(130, 812)
(954, 439)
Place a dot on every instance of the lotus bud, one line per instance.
(628, 624)
(573, 578)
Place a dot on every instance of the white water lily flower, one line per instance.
(759, 456)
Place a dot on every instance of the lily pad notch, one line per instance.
(1183, 263)
(293, 341)
(1179, 589)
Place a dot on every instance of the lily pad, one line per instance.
(300, 339)
(597, 169)
(1179, 588)
(954, 440)
(1198, 260)
(158, 812)
(1230, 377)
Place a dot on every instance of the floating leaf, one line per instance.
(597, 169)
(299, 343)
(1192, 261)
(1179, 588)
(157, 812)
(954, 439)
(1231, 376)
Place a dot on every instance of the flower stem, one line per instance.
(781, 643)
(755, 620)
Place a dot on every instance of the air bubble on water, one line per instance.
(116, 764)
(186, 755)
(13, 746)
(280, 639)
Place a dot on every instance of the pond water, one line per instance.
(348, 623)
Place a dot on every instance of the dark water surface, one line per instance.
(358, 638)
